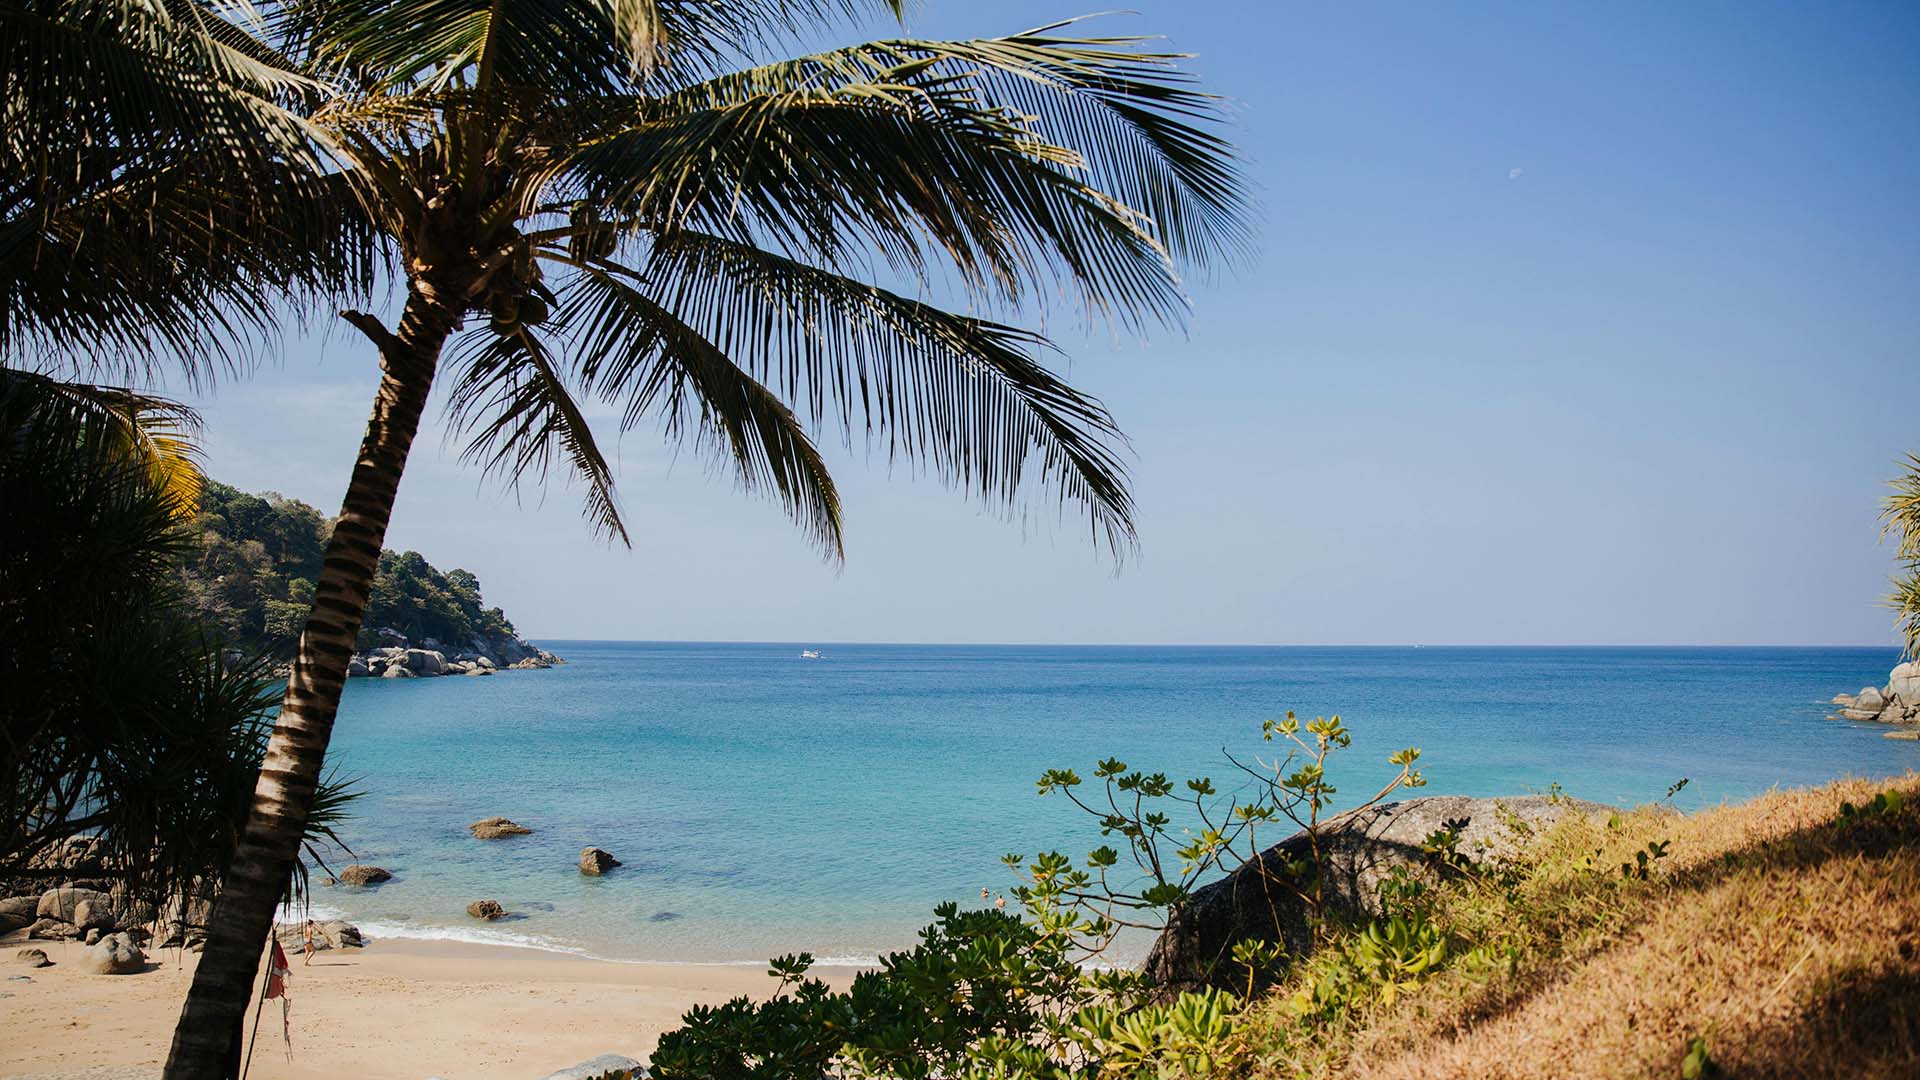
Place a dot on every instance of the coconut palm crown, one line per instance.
(593, 198)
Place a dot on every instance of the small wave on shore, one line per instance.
(375, 930)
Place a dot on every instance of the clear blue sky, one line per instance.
(1571, 324)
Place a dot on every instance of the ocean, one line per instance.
(762, 803)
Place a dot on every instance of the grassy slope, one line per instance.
(1789, 940)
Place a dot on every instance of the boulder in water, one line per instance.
(596, 861)
(495, 828)
(486, 909)
(358, 874)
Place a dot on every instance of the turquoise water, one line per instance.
(763, 803)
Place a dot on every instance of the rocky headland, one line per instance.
(398, 658)
(1898, 702)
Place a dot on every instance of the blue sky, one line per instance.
(1570, 324)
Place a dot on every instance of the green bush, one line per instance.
(987, 993)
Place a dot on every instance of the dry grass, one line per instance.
(1789, 940)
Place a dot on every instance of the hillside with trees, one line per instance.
(251, 565)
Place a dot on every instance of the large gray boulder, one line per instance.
(1870, 700)
(486, 909)
(18, 911)
(426, 662)
(116, 954)
(95, 915)
(61, 903)
(1905, 682)
(1358, 850)
(595, 1068)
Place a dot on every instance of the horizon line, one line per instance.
(1215, 644)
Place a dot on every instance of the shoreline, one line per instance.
(398, 1009)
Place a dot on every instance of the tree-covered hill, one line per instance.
(251, 568)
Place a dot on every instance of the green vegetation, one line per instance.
(1759, 940)
(253, 560)
(1901, 515)
(123, 721)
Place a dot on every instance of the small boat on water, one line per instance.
(809, 654)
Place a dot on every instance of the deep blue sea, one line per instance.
(763, 803)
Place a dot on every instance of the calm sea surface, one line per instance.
(763, 803)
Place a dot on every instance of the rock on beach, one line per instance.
(115, 954)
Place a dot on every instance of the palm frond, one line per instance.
(1900, 517)
(1018, 161)
(160, 188)
(158, 434)
(964, 396)
(632, 350)
(513, 402)
(569, 47)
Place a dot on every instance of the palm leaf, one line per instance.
(633, 350)
(963, 395)
(513, 402)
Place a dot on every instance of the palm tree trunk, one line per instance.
(206, 1041)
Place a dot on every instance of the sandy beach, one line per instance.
(396, 1009)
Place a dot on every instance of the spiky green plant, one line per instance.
(1900, 515)
(121, 720)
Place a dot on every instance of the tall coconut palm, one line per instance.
(595, 198)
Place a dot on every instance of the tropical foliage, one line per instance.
(164, 193)
(616, 201)
(251, 565)
(985, 993)
(122, 720)
(1902, 519)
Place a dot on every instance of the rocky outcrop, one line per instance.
(398, 658)
(116, 954)
(1358, 851)
(1896, 703)
(486, 909)
(361, 874)
(595, 861)
(496, 828)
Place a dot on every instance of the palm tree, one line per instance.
(593, 198)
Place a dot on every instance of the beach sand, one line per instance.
(395, 1009)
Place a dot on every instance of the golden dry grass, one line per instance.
(1789, 940)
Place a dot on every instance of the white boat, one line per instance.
(809, 654)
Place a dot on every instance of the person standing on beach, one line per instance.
(307, 934)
